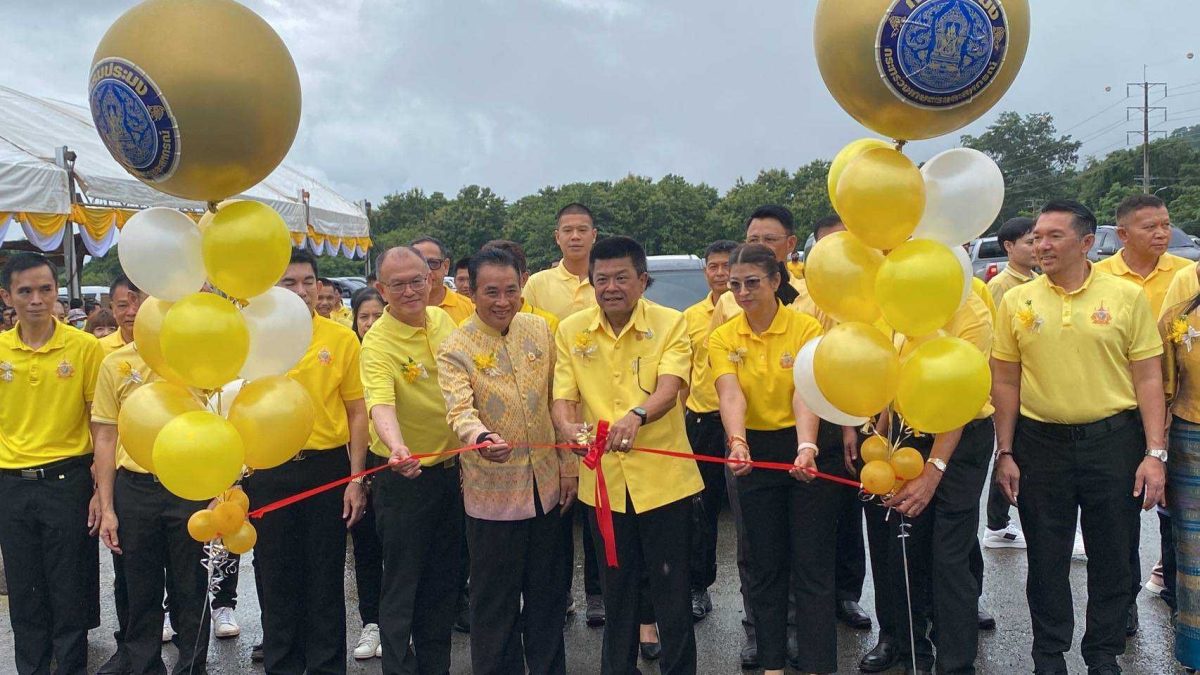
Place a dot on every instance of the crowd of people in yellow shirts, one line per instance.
(1092, 372)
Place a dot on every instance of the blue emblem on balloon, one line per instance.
(942, 53)
(133, 119)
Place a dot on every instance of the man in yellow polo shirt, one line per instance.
(418, 506)
(1077, 387)
(329, 303)
(47, 382)
(301, 551)
(145, 526)
(458, 306)
(124, 300)
(565, 289)
(1144, 227)
(773, 226)
(1016, 236)
(625, 362)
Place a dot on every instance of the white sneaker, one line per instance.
(368, 642)
(168, 632)
(1079, 553)
(379, 651)
(225, 625)
(1009, 537)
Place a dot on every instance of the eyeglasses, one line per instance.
(751, 284)
(768, 239)
(637, 375)
(434, 263)
(417, 284)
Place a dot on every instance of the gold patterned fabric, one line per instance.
(501, 383)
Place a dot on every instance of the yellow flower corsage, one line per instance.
(488, 364)
(1182, 332)
(1029, 318)
(584, 346)
(738, 355)
(413, 371)
(128, 373)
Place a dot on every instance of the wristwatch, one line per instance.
(939, 464)
(641, 413)
(1157, 453)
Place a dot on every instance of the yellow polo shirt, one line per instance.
(980, 289)
(762, 364)
(112, 342)
(459, 307)
(44, 395)
(1156, 284)
(702, 394)
(610, 374)
(1006, 280)
(1184, 286)
(559, 292)
(342, 316)
(796, 269)
(727, 307)
(329, 372)
(973, 322)
(538, 311)
(1075, 348)
(399, 368)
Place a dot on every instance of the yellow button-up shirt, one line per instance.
(501, 383)
(1156, 284)
(329, 371)
(610, 374)
(44, 395)
(1005, 280)
(559, 292)
(1076, 343)
(762, 364)
(702, 394)
(112, 342)
(399, 368)
(459, 307)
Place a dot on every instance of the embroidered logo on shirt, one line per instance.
(413, 371)
(324, 356)
(644, 335)
(1101, 317)
(584, 347)
(65, 370)
(6, 371)
(488, 364)
(787, 360)
(1029, 318)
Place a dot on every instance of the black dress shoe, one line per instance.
(650, 650)
(986, 620)
(701, 605)
(885, 655)
(750, 654)
(1131, 621)
(117, 664)
(256, 653)
(851, 613)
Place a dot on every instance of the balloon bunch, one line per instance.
(205, 115)
(886, 467)
(226, 520)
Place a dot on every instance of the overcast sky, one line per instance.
(521, 94)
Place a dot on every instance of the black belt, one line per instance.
(139, 477)
(45, 470)
(313, 452)
(1080, 432)
(448, 464)
(705, 415)
(975, 424)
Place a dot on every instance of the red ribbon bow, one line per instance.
(604, 520)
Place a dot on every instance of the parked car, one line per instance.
(679, 280)
(987, 257)
(1107, 244)
(348, 286)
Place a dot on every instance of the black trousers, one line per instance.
(791, 529)
(368, 555)
(653, 550)
(518, 596)
(997, 507)
(1089, 469)
(707, 437)
(52, 567)
(153, 532)
(301, 554)
(420, 524)
(850, 566)
(1169, 562)
(591, 569)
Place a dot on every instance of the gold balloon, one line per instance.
(919, 287)
(274, 415)
(907, 463)
(198, 455)
(874, 448)
(881, 197)
(147, 328)
(147, 410)
(207, 216)
(200, 526)
(204, 339)
(196, 98)
(238, 496)
(844, 157)
(870, 56)
(228, 517)
(840, 273)
(943, 385)
(857, 369)
(878, 477)
(246, 249)
(240, 542)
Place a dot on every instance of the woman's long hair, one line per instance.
(764, 259)
(360, 297)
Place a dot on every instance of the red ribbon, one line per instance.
(604, 520)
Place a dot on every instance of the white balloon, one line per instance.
(968, 271)
(220, 403)
(964, 190)
(280, 332)
(806, 385)
(159, 250)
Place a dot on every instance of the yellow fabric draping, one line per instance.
(45, 224)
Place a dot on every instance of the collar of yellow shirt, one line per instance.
(1008, 269)
(1166, 264)
(12, 339)
(778, 324)
(637, 321)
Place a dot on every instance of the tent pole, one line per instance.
(65, 158)
(367, 262)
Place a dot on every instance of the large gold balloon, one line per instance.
(857, 369)
(881, 196)
(246, 248)
(198, 455)
(204, 339)
(274, 415)
(240, 542)
(844, 157)
(147, 328)
(919, 287)
(913, 70)
(840, 273)
(196, 98)
(147, 410)
(944, 384)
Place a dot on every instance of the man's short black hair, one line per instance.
(572, 209)
(1014, 229)
(462, 263)
(122, 281)
(612, 248)
(1083, 220)
(824, 224)
(718, 247)
(780, 213)
(514, 249)
(76, 303)
(441, 247)
(302, 257)
(1135, 202)
(491, 255)
(23, 262)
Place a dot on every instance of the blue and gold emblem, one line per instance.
(942, 53)
(134, 119)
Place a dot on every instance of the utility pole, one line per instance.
(1145, 109)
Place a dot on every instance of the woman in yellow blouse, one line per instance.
(790, 521)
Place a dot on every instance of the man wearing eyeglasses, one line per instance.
(458, 306)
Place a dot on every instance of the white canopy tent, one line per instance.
(35, 192)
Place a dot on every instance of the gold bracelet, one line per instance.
(738, 439)
(808, 446)
(736, 442)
